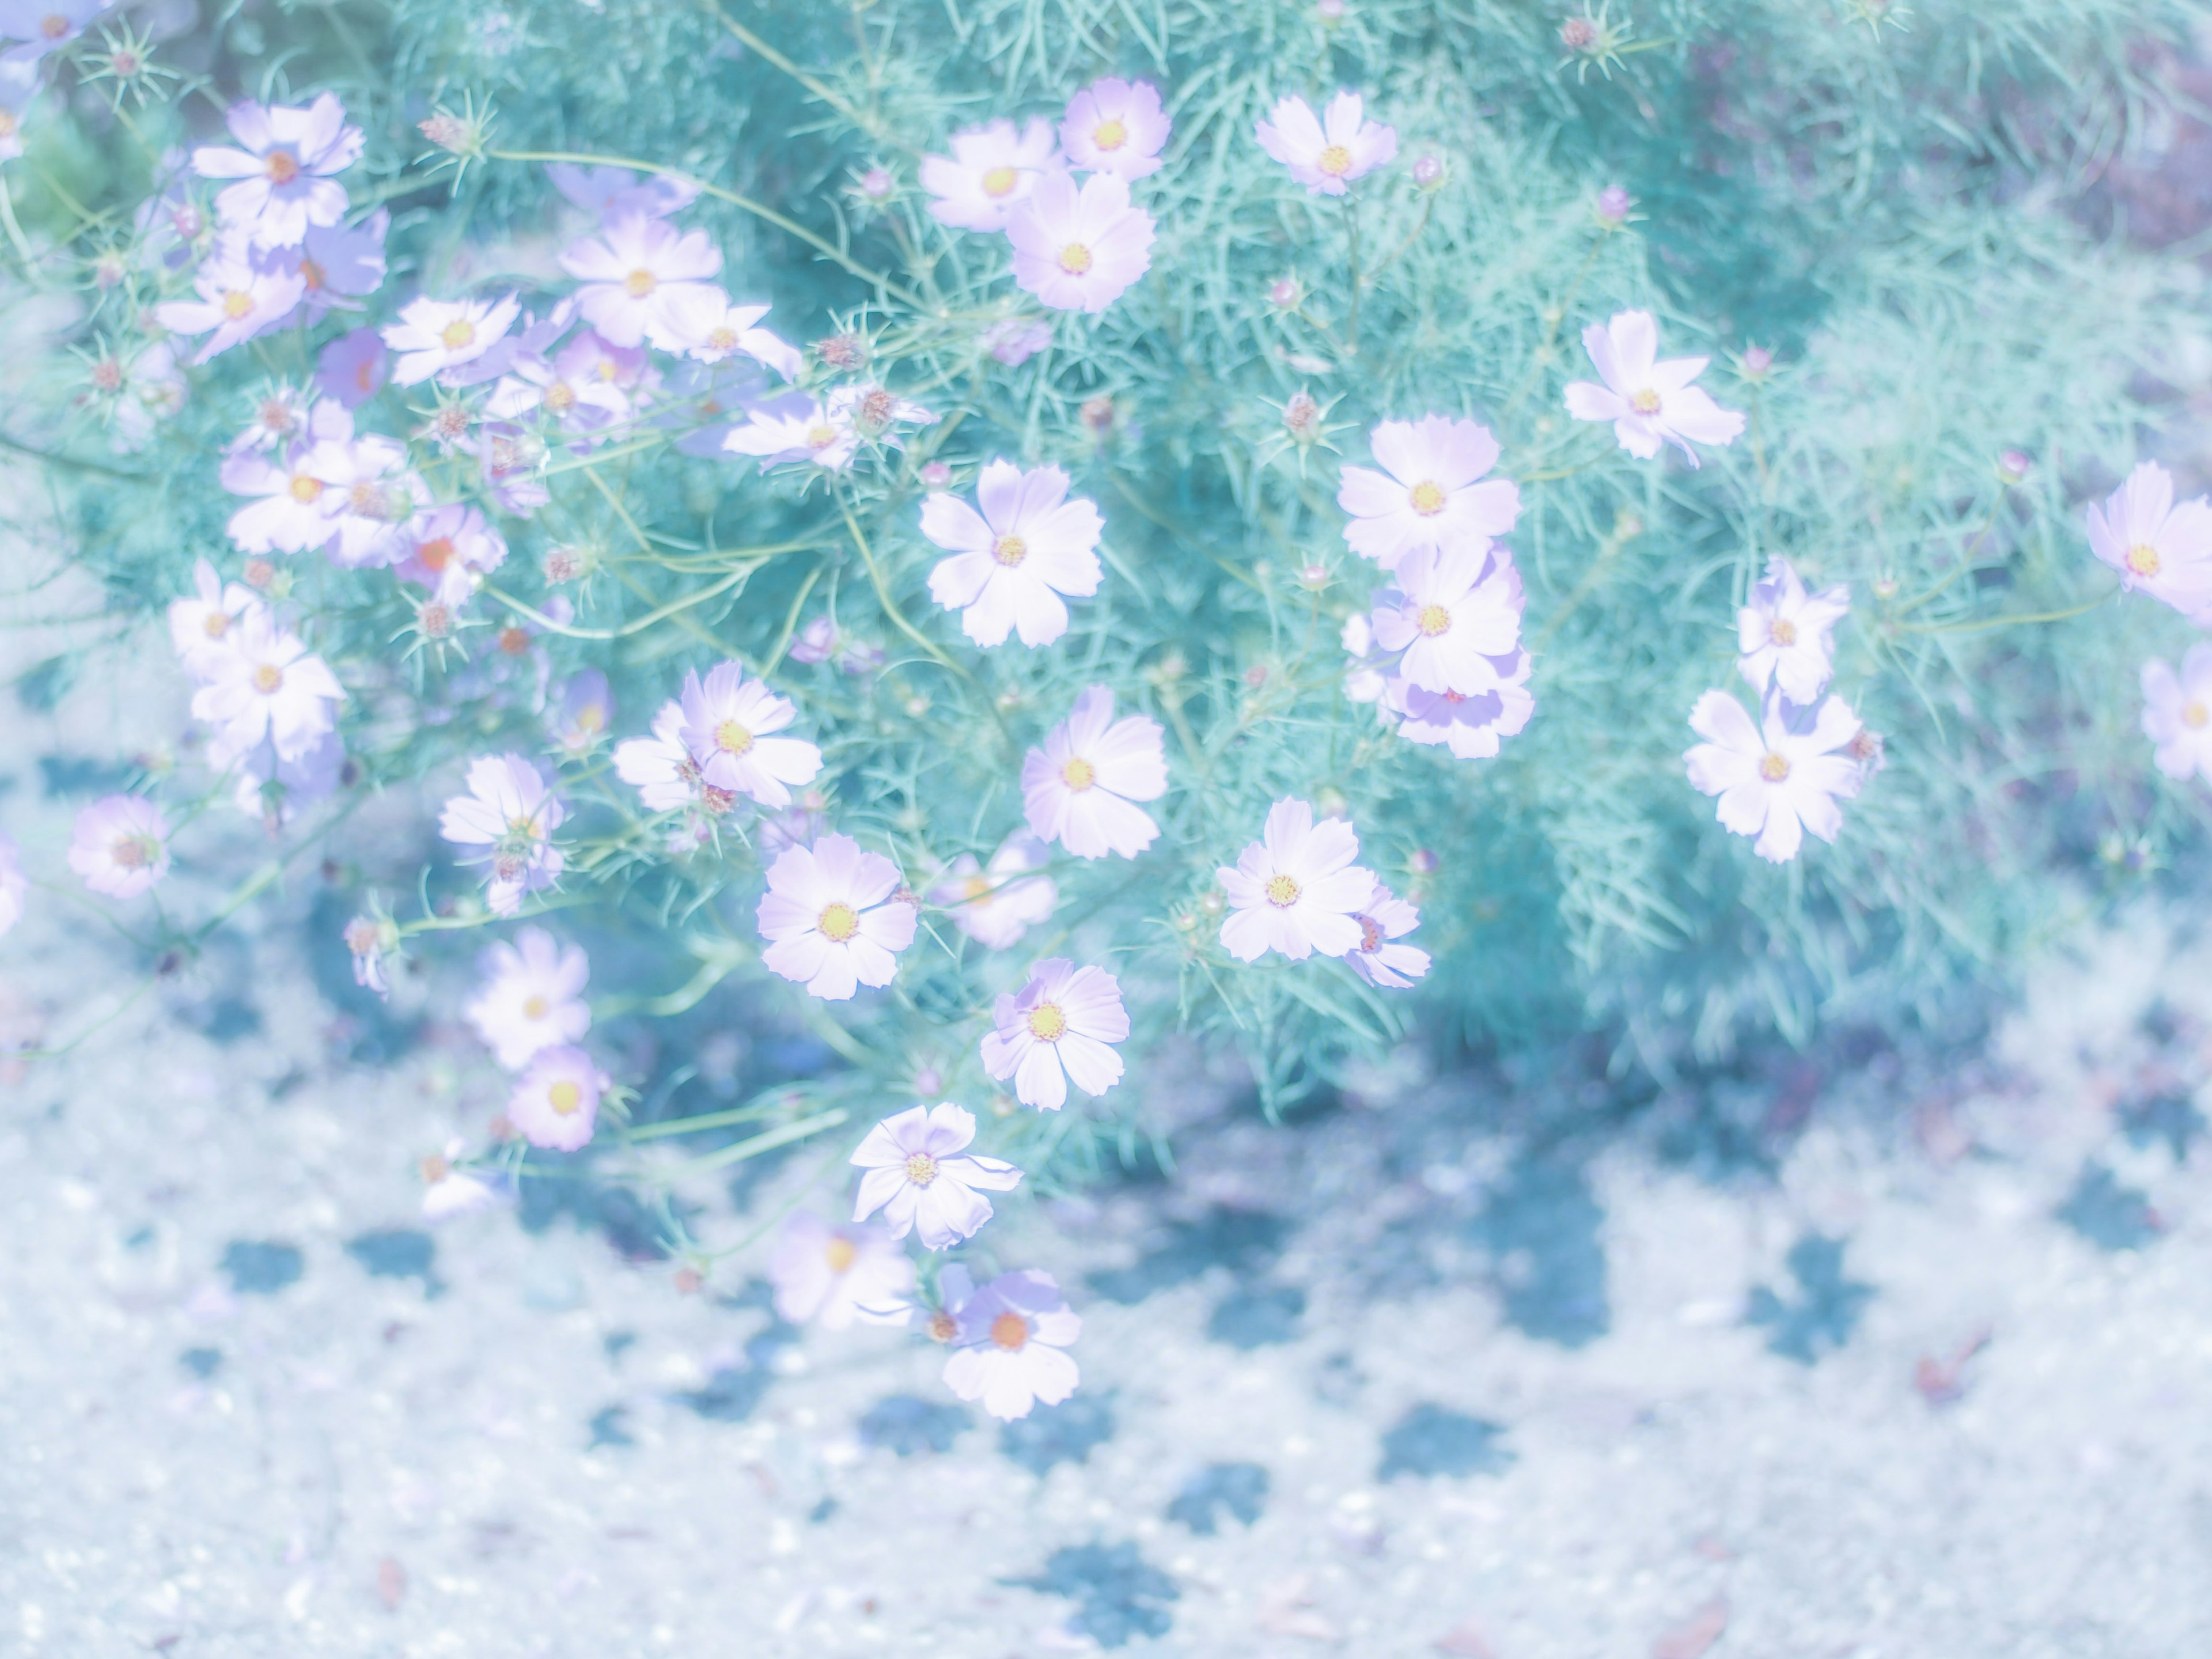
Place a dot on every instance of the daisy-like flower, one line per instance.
(121, 846)
(1296, 890)
(510, 813)
(838, 1277)
(1780, 778)
(711, 329)
(1783, 634)
(200, 627)
(1057, 1028)
(43, 26)
(795, 428)
(449, 549)
(1011, 561)
(267, 686)
(369, 497)
(991, 171)
(1650, 403)
(353, 367)
(239, 298)
(556, 1101)
(532, 996)
(634, 272)
(1471, 726)
(1079, 788)
(834, 918)
(1326, 154)
(2177, 713)
(1432, 491)
(727, 720)
(615, 192)
(1383, 918)
(579, 387)
(15, 887)
(918, 1176)
(339, 265)
(660, 768)
(1449, 613)
(995, 906)
(871, 411)
(283, 164)
(1114, 126)
(2163, 549)
(1011, 1346)
(451, 1189)
(289, 518)
(585, 711)
(432, 335)
(1079, 248)
(279, 416)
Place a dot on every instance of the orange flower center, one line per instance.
(1282, 891)
(283, 166)
(311, 274)
(1428, 498)
(564, 1097)
(1011, 1331)
(435, 553)
(999, 180)
(1370, 935)
(1335, 160)
(133, 852)
(513, 641)
(1047, 1022)
(839, 922)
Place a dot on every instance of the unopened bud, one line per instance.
(877, 185)
(1428, 172)
(937, 475)
(1578, 34)
(1097, 414)
(1613, 203)
(1757, 359)
(841, 350)
(1284, 293)
(1302, 418)
(2014, 467)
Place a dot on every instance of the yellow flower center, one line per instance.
(820, 436)
(564, 1097)
(840, 1253)
(839, 922)
(1335, 160)
(435, 553)
(1010, 550)
(560, 396)
(1428, 498)
(640, 283)
(1079, 773)
(216, 625)
(1009, 1331)
(1774, 768)
(236, 302)
(534, 1007)
(2143, 559)
(998, 180)
(283, 166)
(2195, 715)
(1433, 620)
(1109, 134)
(1282, 891)
(921, 1169)
(267, 678)
(733, 739)
(306, 489)
(1075, 258)
(1645, 401)
(1784, 632)
(458, 333)
(1047, 1022)
(722, 339)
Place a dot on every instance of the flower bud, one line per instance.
(1613, 203)
(1578, 34)
(1302, 418)
(878, 185)
(2014, 467)
(1757, 359)
(1284, 293)
(1428, 172)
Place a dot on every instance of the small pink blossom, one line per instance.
(918, 1176)
(833, 918)
(634, 274)
(434, 335)
(1326, 155)
(1780, 778)
(449, 549)
(353, 367)
(510, 812)
(728, 722)
(282, 168)
(532, 997)
(2177, 713)
(121, 846)
(265, 685)
(556, 1100)
(1649, 401)
(838, 1277)
(239, 298)
(2157, 547)
(1614, 205)
(991, 171)
(1433, 490)
(1783, 634)
(995, 906)
(1012, 560)
(1079, 788)
(1114, 126)
(1058, 1027)
(1376, 958)
(1011, 1346)
(1079, 248)
(1296, 890)
(1448, 614)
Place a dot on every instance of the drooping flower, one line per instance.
(1449, 613)
(15, 887)
(121, 846)
(991, 170)
(433, 335)
(452, 1189)
(556, 1100)
(532, 996)
(283, 166)
(1435, 493)
(1780, 778)
(239, 298)
(728, 722)
(510, 812)
(1011, 1346)
(1383, 918)
(1114, 126)
(371, 941)
(200, 626)
(1012, 560)
(794, 428)
(2163, 549)
(634, 271)
(1296, 890)
(838, 1277)
(1326, 155)
(1059, 1027)
(2177, 713)
(918, 1176)
(1783, 634)
(338, 265)
(661, 769)
(1079, 788)
(448, 549)
(834, 918)
(1471, 726)
(995, 906)
(711, 329)
(583, 711)
(353, 367)
(616, 192)
(1649, 401)
(1079, 248)
(267, 686)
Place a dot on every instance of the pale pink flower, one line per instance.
(1013, 560)
(918, 1178)
(1780, 778)
(709, 328)
(1384, 918)
(1326, 155)
(1649, 401)
(1079, 789)
(200, 627)
(452, 1189)
(1014, 340)
(291, 515)
(1079, 248)
(338, 265)
(15, 887)
(838, 1277)
(834, 918)
(532, 996)
(1058, 1027)
(633, 272)
(616, 192)
(1011, 1346)
(556, 1100)
(1471, 726)
(239, 298)
(1435, 494)
(432, 335)
(121, 846)
(1296, 890)
(871, 411)
(584, 713)
(795, 428)
(995, 906)
(44, 26)
(510, 812)
(1449, 613)
(267, 686)
(661, 769)
(370, 496)
(585, 386)
(2177, 713)
(283, 167)
(2160, 548)
(353, 367)
(727, 720)
(1783, 634)
(992, 169)
(449, 549)
(1114, 126)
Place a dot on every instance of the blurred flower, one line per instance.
(1649, 403)
(239, 298)
(449, 1190)
(283, 166)
(2014, 465)
(1470, 725)
(2177, 713)
(532, 996)
(728, 720)
(1079, 248)
(1012, 560)
(448, 548)
(991, 169)
(200, 626)
(585, 713)
(19, 84)
(1011, 1343)
(263, 683)
(121, 846)
(916, 1178)
(617, 192)
(833, 919)
(876, 186)
(508, 458)
(371, 941)
(709, 328)
(871, 411)
(1783, 634)
(1326, 156)
(275, 787)
(15, 889)
(556, 1100)
(660, 767)
(795, 428)
(1078, 789)
(511, 812)
(352, 368)
(337, 264)
(1383, 918)
(1435, 492)
(1614, 205)
(1057, 1028)
(368, 496)
(1757, 361)
(838, 1277)
(1780, 778)
(1114, 126)
(432, 335)
(280, 416)
(2162, 549)
(1296, 890)
(1448, 614)
(634, 274)
(996, 907)
(1428, 172)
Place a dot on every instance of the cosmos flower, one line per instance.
(1010, 1345)
(871, 411)
(289, 516)
(556, 1100)
(283, 166)
(1014, 340)
(370, 496)
(727, 720)
(1783, 634)
(239, 297)
(1296, 890)
(449, 549)
(2177, 713)
(1012, 560)
(918, 1176)
(275, 788)
(795, 428)
(634, 272)
(44, 26)
(353, 367)
(1780, 778)
(1079, 248)
(19, 84)
(508, 458)
(371, 941)
(583, 711)
(451, 1189)
(834, 918)
(991, 171)
(1471, 726)
(660, 768)
(1326, 155)
(710, 329)
(510, 812)
(432, 335)
(200, 626)
(995, 906)
(1079, 788)
(121, 846)
(2163, 549)
(617, 192)
(1650, 403)
(1449, 613)
(581, 385)
(532, 998)
(1432, 493)
(1114, 126)
(338, 265)
(838, 1277)
(266, 684)
(1384, 918)
(1058, 1027)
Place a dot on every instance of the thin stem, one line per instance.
(2005, 621)
(819, 88)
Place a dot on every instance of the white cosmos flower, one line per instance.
(2157, 546)
(439, 334)
(1296, 890)
(1013, 560)
(634, 274)
(832, 918)
(1059, 1027)
(1779, 778)
(1434, 490)
(1011, 1338)
(267, 686)
(1079, 789)
(996, 906)
(200, 627)
(727, 720)
(1449, 613)
(1650, 403)
(991, 169)
(918, 1178)
(837, 1277)
(1783, 634)
(532, 996)
(2177, 713)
